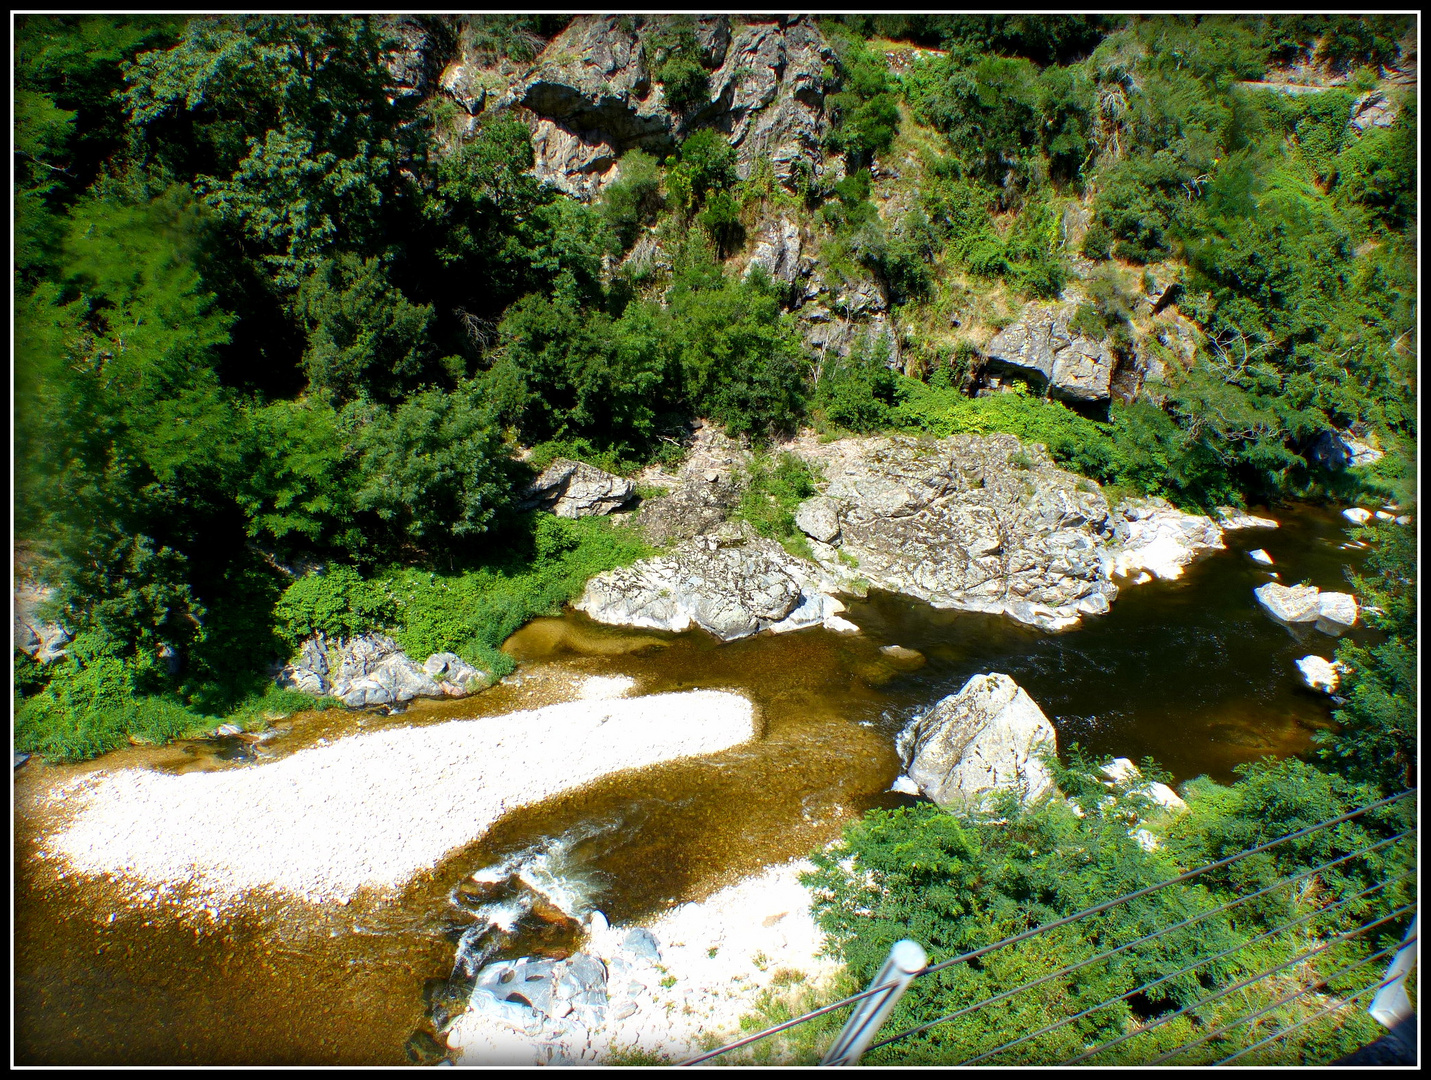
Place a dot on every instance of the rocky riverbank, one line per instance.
(968, 522)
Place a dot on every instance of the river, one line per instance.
(1190, 672)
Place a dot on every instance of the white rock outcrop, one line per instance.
(1156, 537)
(980, 740)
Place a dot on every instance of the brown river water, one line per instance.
(1189, 672)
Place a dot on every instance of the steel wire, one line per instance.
(1276, 1004)
(1183, 971)
(1160, 1021)
(1342, 1004)
(1163, 884)
(1148, 937)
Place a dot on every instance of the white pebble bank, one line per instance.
(375, 808)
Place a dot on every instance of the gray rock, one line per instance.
(1040, 343)
(642, 944)
(777, 251)
(1260, 556)
(302, 679)
(36, 637)
(573, 489)
(450, 670)
(731, 592)
(1373, 109)
(978, 741)
(977, 523)
(553, 988)
(1290, 604)
(395, 678)
(819, 519)
(1341, 450)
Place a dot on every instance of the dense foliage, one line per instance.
(275, 310)
(957, 882)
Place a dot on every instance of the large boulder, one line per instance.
(371, 669)
(730, 587)
(976, 523)
(980, 740)
(1289, 603)
(1040, 343)
(573, 489)
(1336, 612)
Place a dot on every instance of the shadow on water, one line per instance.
(1191, 672)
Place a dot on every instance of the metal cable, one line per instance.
(1276, 1004)
(1183, 971)
(1074, 918)
(1162, 884)
(1160, 1021)
(1342, 1004)
(789, 1024)
(1148, 937)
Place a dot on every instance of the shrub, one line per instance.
(336, 603)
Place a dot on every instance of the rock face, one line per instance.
(594, 94)
(977, 523)
(1041, 343)
(371, 670)
(35, 637)
(729, 587)
(573, 489)
(977, 741)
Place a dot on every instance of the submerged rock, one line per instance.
(980, 740)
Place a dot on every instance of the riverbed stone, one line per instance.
(454, 675)
(1257, 555)
(1318, 673)
(1336, 612)
(1357, 515)
(1123, 771)
(1289, 603)
(980, 740)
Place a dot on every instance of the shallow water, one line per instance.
(1190, 672)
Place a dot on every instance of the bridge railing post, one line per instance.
(1391, 1005)
(906, 959)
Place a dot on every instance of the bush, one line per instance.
(472, 613)
(774, 489)
(634, 198)
(336, 603)
(858, 392)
